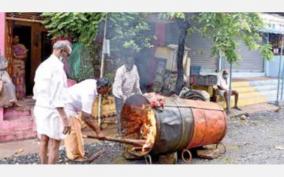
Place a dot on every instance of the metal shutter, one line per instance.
(200, 52)
(251, 61)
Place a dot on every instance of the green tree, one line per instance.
(129, 31)
(124, 30)
(81, 27)
(225, 30)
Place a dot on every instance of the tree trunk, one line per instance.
(183, 25)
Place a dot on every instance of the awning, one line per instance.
(273, 23)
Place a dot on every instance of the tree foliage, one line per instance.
(81, 27)
(130, 31)
(127, 30)
(226, 30)
(124, 30)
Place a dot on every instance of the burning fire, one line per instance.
(140, 124)
(148, 131)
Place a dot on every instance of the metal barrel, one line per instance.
(181, 124)
(174, 129)
(209, 127)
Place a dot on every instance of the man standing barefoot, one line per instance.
(49, 90)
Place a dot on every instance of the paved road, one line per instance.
(257, 139)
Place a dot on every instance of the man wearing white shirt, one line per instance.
(126, 84)
(49, 89)
(79, 99)
(223, 89)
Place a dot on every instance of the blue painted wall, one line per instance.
(272, 66)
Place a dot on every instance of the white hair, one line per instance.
(63, 44)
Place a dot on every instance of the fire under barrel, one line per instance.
(181, 124)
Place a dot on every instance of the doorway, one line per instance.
(46, 48)
(24, 33)
(35, 38)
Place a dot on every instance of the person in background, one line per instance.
(49, 92)
(223, 89)
(7, 88)
(126, 83)
(19, 54)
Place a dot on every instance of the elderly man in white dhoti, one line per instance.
(7, 88)
(49, 92)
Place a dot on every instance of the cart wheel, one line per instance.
(148, 159)
(186, 156)
(222, 147)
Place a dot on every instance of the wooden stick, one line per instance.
(134, 142)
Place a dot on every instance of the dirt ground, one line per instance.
(255, 139)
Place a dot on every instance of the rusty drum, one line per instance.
(181, 124)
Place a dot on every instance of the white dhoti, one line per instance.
(49, 123)
(49, 93)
